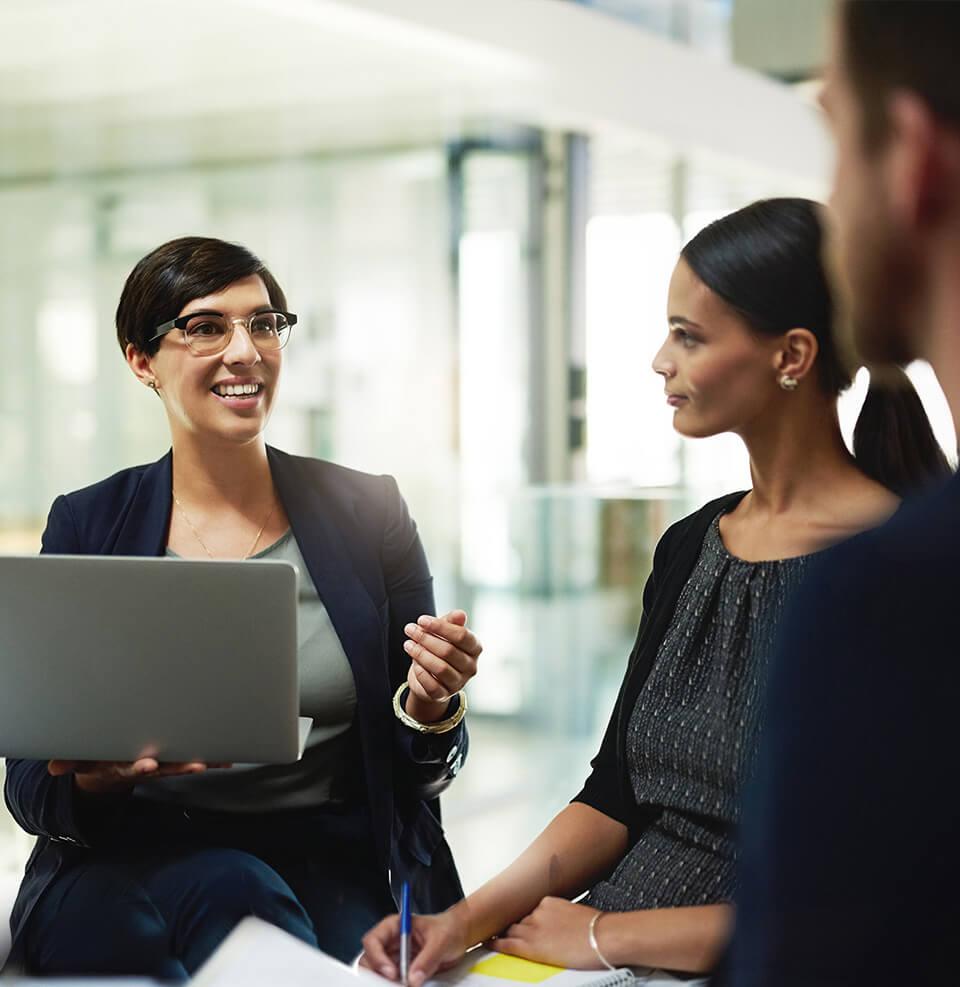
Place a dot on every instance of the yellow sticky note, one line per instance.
(503, 967)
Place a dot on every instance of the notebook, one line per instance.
(484, 968)
(257, 953)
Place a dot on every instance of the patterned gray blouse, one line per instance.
(693, 732)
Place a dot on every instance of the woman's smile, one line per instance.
(239, 393)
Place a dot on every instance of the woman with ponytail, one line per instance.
(751, 349)
(763, 264)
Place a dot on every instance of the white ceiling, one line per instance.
(165, 57)
(110, 83)
(104, 84)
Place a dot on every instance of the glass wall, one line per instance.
(360, 246)
(418, 277)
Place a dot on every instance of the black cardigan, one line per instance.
(607, 789)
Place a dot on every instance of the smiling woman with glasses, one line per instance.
(142, 869)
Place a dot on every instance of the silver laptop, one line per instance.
(110, 658)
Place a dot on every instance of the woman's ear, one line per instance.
(139, 363)
(796, 354)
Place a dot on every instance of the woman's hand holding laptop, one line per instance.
(98, 777)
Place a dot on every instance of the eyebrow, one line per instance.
(679, 320)
(213, 311)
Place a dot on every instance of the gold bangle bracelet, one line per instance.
(441, 726)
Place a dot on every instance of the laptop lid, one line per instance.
(112, 658)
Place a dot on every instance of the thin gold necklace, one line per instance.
(196, 534)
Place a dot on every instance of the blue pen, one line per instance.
(404, 933)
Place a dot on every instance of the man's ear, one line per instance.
(915, 166)
(796, 354)
(139, 363)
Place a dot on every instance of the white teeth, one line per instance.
(236, 390)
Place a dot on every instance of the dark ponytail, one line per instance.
(765, 262)
(893, 441)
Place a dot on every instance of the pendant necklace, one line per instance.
(200, 542)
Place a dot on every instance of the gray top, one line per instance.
(693, 731)
(327, 693)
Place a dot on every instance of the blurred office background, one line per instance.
(475, 207)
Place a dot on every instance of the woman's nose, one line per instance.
(240, 349)
(661, 365)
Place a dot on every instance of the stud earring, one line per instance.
(788, 383)
(152, 384)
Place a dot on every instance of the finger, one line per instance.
(376, 943)
(115, 770)
(455, 617)
(125, 771)
(365, 964)
(449, 678)
(59, 767)
(457, 634)
(422, 643)
(510, 945)
(173, 769)
(439, 695)
(427, 687)
(426, 962)
(432, 642)
(144, 766)
(413, 683)
(454, 631)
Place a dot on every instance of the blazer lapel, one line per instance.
(143, 529)
(313, 514)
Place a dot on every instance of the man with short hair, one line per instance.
(851, 833)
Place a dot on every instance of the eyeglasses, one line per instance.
(207, 334)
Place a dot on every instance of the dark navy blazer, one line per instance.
(850, 861)
(366, 560)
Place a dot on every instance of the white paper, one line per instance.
(257, 953)
(304, 726)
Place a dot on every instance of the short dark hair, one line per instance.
(908, 44)
(177, 272)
